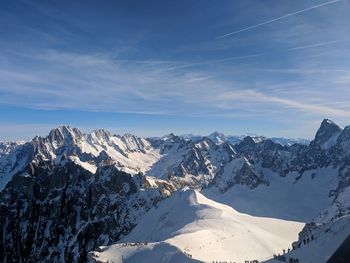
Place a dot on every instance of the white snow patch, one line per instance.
(331, 141)
(86, 165)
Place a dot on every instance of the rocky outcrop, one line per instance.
(60, 212)
(326, 135)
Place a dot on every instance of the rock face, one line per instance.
(68, 193)
(327, 134)
(238, 172)
(128, 153)
(61, 212)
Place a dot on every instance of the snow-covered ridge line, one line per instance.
(219, 137)
(206, 231)
(128, 152)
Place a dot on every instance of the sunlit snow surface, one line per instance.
(290, 197)
(326, 241)
(188, 222)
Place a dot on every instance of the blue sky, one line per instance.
(271, 67)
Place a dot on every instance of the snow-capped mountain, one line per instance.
(73, 192)
(219, 137)
(128, 153)
(191, 163)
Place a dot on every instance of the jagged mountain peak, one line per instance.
(67, 129)
(247, 142)
(327, 134)
(102, 134)
(216, 134)
(328, 124)
(64, 133)
(217, 137)
(134, 143)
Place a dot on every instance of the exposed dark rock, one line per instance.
(61, 212)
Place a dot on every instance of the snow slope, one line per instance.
(291, 197)
(142, 253)
(327, 238)
(204, 229)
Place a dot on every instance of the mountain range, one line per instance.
(99, 197)
(219, 137)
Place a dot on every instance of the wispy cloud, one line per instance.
(203, 63)
(251, 95)
(95, 82)
(278, 18)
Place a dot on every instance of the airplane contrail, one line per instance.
(211, 62)
(278, 18)
(320, 44)
(311, 45)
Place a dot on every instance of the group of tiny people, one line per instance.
(295, 245)
(134, 244)
(278, 257)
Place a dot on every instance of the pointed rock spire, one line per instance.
(327, 130)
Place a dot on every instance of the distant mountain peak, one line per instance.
(216, 133)
(217, 137)
(248, 140)
(170, 137)
(63, 133)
